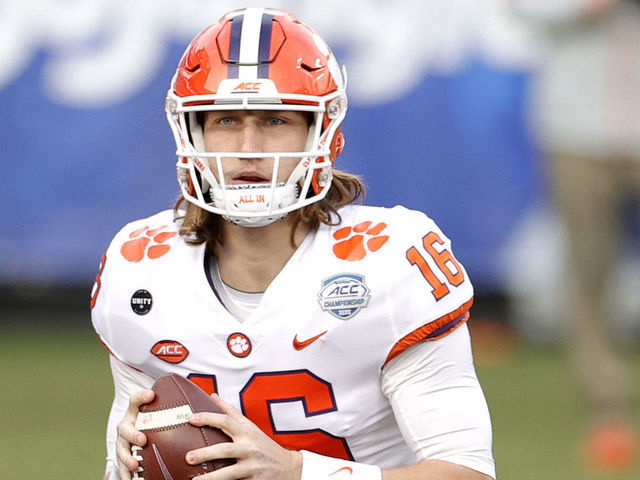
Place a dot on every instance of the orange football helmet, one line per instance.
(257, 59)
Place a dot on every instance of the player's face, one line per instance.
(255, 131)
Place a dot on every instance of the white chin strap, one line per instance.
(238, 200)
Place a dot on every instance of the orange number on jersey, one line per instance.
(205, 382)
(303, 386)
(444, 260)
(317, 398)
(98, 284)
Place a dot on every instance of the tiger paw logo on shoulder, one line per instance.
(147, 242)
(354, 243)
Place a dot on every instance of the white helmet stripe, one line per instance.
(250, 44)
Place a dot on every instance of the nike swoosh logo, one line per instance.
(349, 470)
(300, 344)
(163, 467)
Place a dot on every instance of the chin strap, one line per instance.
(235, 200)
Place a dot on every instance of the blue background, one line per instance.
(455, 147)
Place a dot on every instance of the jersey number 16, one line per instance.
(438, 257)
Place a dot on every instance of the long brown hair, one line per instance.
(200, 226)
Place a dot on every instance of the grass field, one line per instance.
(56, 390)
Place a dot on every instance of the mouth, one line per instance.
(249, 177)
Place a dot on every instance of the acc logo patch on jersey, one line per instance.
(170, 351)
(344, 295)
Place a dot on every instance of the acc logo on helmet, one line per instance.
(247, 87)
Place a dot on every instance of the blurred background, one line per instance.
(442, 118)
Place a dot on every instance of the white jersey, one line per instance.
(306, 364)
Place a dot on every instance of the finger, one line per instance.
(124, 473)
(229, 472)
(127, 431)
(126, 462)
(139, 398)
(226, 407)
(212, 452)
(216, 420)
(126, 427)
(128, 435)
(125, 457)
(231, 421)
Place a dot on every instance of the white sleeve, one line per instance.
(438, 402)
(126, 380)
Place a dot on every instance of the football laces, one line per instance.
(135, 452)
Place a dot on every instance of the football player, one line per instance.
(335, 333)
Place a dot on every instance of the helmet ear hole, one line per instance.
(339, 142)
(337, 145)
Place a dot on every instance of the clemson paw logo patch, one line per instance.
(353, 243)
(239, 344)
(149, 242)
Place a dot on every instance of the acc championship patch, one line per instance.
(344, 295)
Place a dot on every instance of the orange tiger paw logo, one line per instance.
(355, 242)
(147, 241)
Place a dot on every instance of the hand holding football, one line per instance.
(169, 434)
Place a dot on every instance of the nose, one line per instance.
(250, 138)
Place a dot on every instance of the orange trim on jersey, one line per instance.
(105, 345)
(420, 334)
(114, 355)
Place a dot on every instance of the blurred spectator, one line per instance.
(587, 107)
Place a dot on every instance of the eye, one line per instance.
(275, 121)
(219, 120)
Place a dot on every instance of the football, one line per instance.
(169, 434)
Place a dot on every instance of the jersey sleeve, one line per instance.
(103, 308)
(438, 402)
(430, 293)
(99, 307)
(121, 270)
